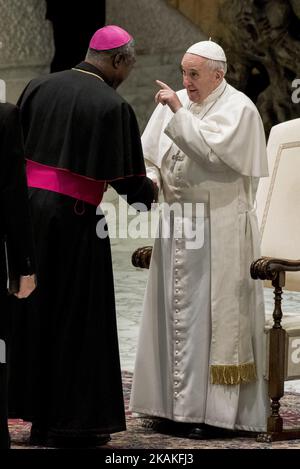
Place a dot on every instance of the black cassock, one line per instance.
(67, 376)
(15, 235)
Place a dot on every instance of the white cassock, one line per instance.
(200, 351)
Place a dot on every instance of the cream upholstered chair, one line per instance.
(278, 209)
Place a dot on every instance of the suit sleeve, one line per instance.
(14, 197)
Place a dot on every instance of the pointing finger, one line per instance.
(163, 85)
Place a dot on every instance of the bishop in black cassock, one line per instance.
(80, 134)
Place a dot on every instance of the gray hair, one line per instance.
(217, 65)
(127, 51)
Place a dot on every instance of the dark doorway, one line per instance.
(73, 26)
(258, 81)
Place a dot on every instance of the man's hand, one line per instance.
(27, 285)
(167, 96)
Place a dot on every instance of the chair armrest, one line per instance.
(141, 257)
(267, 268)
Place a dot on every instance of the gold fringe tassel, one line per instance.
(233, 374)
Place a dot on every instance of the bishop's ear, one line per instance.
(117, 60)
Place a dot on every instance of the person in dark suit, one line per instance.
(73, 27)
(16, 247)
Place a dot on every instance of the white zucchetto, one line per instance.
(208, 49)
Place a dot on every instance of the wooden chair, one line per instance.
(278, 209)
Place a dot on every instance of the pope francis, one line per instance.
(200, 353)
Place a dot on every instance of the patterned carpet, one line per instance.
(138, 437)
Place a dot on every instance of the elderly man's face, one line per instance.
(198, 79)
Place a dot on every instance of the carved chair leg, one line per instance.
(276, 362)
(276, 378)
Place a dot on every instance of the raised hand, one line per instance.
(167, 96)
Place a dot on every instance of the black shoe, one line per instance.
(168, 427)
(197, 433)
(208, 432)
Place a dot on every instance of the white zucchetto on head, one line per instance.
(208, 49)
